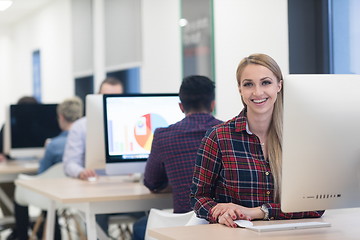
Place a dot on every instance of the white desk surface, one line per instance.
(344, 226)
(9, 170)
(19, 166)
(106, 188)
(106, 195)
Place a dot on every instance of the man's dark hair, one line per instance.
(197, 93)
(27, 100)
(111, 81)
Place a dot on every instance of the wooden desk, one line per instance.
(11, 168)
(9, 171)
(345, 226)
(107, 195)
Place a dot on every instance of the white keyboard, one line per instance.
(288, 226)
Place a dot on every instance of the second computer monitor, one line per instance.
(130, 122)
(27, 128)
(95, 142)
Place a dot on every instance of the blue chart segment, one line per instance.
(145, 128)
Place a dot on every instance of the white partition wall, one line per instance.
(82, 38)
(161, 67)
(243, 27)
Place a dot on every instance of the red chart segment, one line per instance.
(145, 127)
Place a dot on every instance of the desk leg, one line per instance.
(50, 221)
(90, 225)
(6, 200)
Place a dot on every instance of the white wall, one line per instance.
(49, 31)
(5, 72)
(243, 27)
(161, 66)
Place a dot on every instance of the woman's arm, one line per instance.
(206, 171)
(227, 213)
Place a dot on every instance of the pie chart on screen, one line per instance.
(145, 127)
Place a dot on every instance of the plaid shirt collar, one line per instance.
(241, 122)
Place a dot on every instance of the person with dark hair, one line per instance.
(172, 158)
(68, 112)
(9, 187)
(23, 100)
(27, 100)
(74, 156)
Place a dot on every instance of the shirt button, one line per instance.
(267, 173)
(268, 192)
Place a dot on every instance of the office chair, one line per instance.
(25, 197)
(166, 218)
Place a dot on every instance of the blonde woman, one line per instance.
(237, 173)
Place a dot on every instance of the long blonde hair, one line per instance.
(274, 138)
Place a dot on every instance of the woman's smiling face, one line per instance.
(259, 88)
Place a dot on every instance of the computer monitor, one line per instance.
(27, 127)
(95, 141)
(321, 142)
(130, 122)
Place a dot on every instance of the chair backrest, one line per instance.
(25, 197)
(164, 218)
(55, 171)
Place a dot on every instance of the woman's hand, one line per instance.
(227, 213)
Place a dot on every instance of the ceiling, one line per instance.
(20, 9)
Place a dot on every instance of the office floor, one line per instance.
(73, 228)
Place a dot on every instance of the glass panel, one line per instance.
(346, 36)
(197, 40)
(36, 75)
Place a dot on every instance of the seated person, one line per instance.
(237, 172)
(9, 187)
(21, 101)
(173, 152)
(68, 112)
(74, 155)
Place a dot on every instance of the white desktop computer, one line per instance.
(130, 122)
(321, 142)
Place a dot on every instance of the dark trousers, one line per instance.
(139, 228)
(8, 189)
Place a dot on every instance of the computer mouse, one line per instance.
(244, 223)
(92, 179)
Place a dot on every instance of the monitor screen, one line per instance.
(29, 126)
(130, 122)
(321, 142)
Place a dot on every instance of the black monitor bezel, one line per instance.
(32, 108)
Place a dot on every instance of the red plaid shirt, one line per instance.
(230, 167)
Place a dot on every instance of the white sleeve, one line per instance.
(74, 155)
